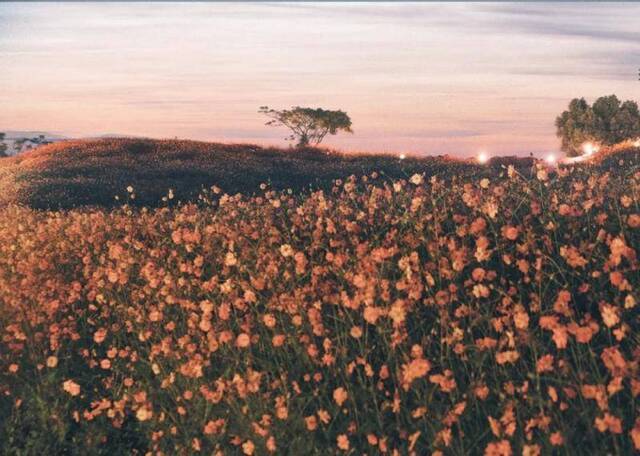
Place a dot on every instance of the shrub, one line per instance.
(607, 122)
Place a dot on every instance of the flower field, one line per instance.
(427, 315)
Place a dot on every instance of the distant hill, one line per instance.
(93, 172)
(19, 141)
(15, 134)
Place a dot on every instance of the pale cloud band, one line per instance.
(428, 78)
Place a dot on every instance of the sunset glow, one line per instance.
(424, 78)
(590, 148)
(551, 159)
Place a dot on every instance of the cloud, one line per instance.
(592, 21)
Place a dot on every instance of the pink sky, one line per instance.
(422, 78)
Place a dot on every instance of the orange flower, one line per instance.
(144, 414)
(614, 361)
(71, 387)
(230, 259)
(269, 320)
(609, 315)
(501, 448)
(481, 392)
(340, 395)
(343, 442)
(100, 335)
(397, 312)
(521, 319)
(52, 361)
(573, 257)
(446, 382)
(507, 357)
(371, 314)
(510, 232)
(545, 364)
(278, 340)
(414, 370)
(609, 423)
(324, 416)
(214, 426)
(556, 439)
(243, 340)
(560, 337)
(311, 422)
(286, 250)
(531, 450)
(635, 434)
(248, 448)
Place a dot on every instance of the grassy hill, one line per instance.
(490, 316)
(97, 172)
(93, 172)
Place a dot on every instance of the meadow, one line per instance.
(470, 310)
(76, 173)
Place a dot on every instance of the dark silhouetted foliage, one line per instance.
(609, 121)
(308, 126)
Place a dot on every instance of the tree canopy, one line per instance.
(608, 121)
(308, 126)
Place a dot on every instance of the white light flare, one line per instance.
(551, 159)
(589, 149)
(483, 158)
(402, 156)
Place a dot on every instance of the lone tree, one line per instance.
(608, 121)
(308, 126)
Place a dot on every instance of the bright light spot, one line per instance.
(483, 157)
(551, 159)
(590, 148)
(402, 156)
(637, 143)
